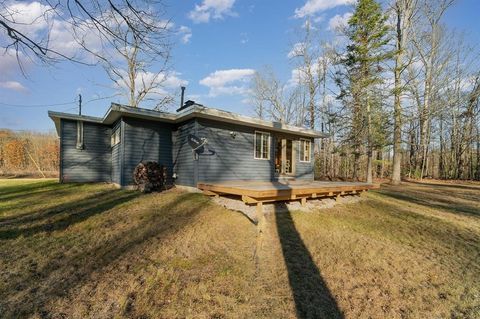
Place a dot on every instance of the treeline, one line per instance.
(396, 91)
(28, 154)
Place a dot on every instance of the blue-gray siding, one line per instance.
(145, 141)
(183, 163)
(91, 164)
(229, 158)
(304, 170)
(225, 157)
(232, 158)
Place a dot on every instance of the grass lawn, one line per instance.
(90, 250)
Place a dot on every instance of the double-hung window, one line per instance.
(262, 145)
(305, 150)
(115, 139)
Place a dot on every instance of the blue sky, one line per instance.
(219, 43)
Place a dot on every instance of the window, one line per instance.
(115, 139)
(262, 145)
(305, 150)
(79, 135)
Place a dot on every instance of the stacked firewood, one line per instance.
(150, 176)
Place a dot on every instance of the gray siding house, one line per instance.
(233, 147)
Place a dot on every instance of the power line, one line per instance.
(56, 104)
(37, 105)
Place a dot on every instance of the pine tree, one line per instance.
(368, 34)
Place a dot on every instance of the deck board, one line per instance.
(253, 191)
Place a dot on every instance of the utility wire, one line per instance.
(37, 105)
(57, 104)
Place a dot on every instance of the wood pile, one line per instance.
(150, 176)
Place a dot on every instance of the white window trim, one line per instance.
(261, 147)
(302, 160)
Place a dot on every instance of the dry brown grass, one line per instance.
(77, 251)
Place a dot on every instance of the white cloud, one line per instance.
(311, 7)
(13, 85)
(30, 18)
(185, 34)
(173, 80)
(228, 82)
(339, 22)
(216, 9)
(9, 63)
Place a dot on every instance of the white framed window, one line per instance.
(261, 145)
(305, 150)
(115, 138)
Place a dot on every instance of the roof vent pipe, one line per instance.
(182, 96)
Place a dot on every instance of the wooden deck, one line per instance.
(260, 192)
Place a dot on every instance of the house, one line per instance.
(197, 145)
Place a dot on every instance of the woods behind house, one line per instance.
(28, 154)
(396, 90)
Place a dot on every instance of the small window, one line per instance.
(79, 135)
(262, 145)
(115, 139)
(305, 150)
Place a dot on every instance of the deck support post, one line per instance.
(259, 211)
(303, 201)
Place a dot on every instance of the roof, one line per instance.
(116, 111)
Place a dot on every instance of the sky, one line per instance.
(218, 45)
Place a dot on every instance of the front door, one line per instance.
(284, 157)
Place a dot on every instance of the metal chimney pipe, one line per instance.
(182, 96)
(79, 104)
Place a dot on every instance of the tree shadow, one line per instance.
(25, 188)
(312, 297)
(446, 185)
(21, 205)
(431, 200)
(63, 216)
(60, 277)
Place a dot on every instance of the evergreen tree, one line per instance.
(368, 35)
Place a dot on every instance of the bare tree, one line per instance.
(32, 36)
(277, 101)
(130, 56)
(311, 68)
(404, 11)
(428, 44)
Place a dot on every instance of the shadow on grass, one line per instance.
(446, 185)
(312, 297)
(46, 189)
(430, 200)
(61, 276)
(27, 187)
(63, 216)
